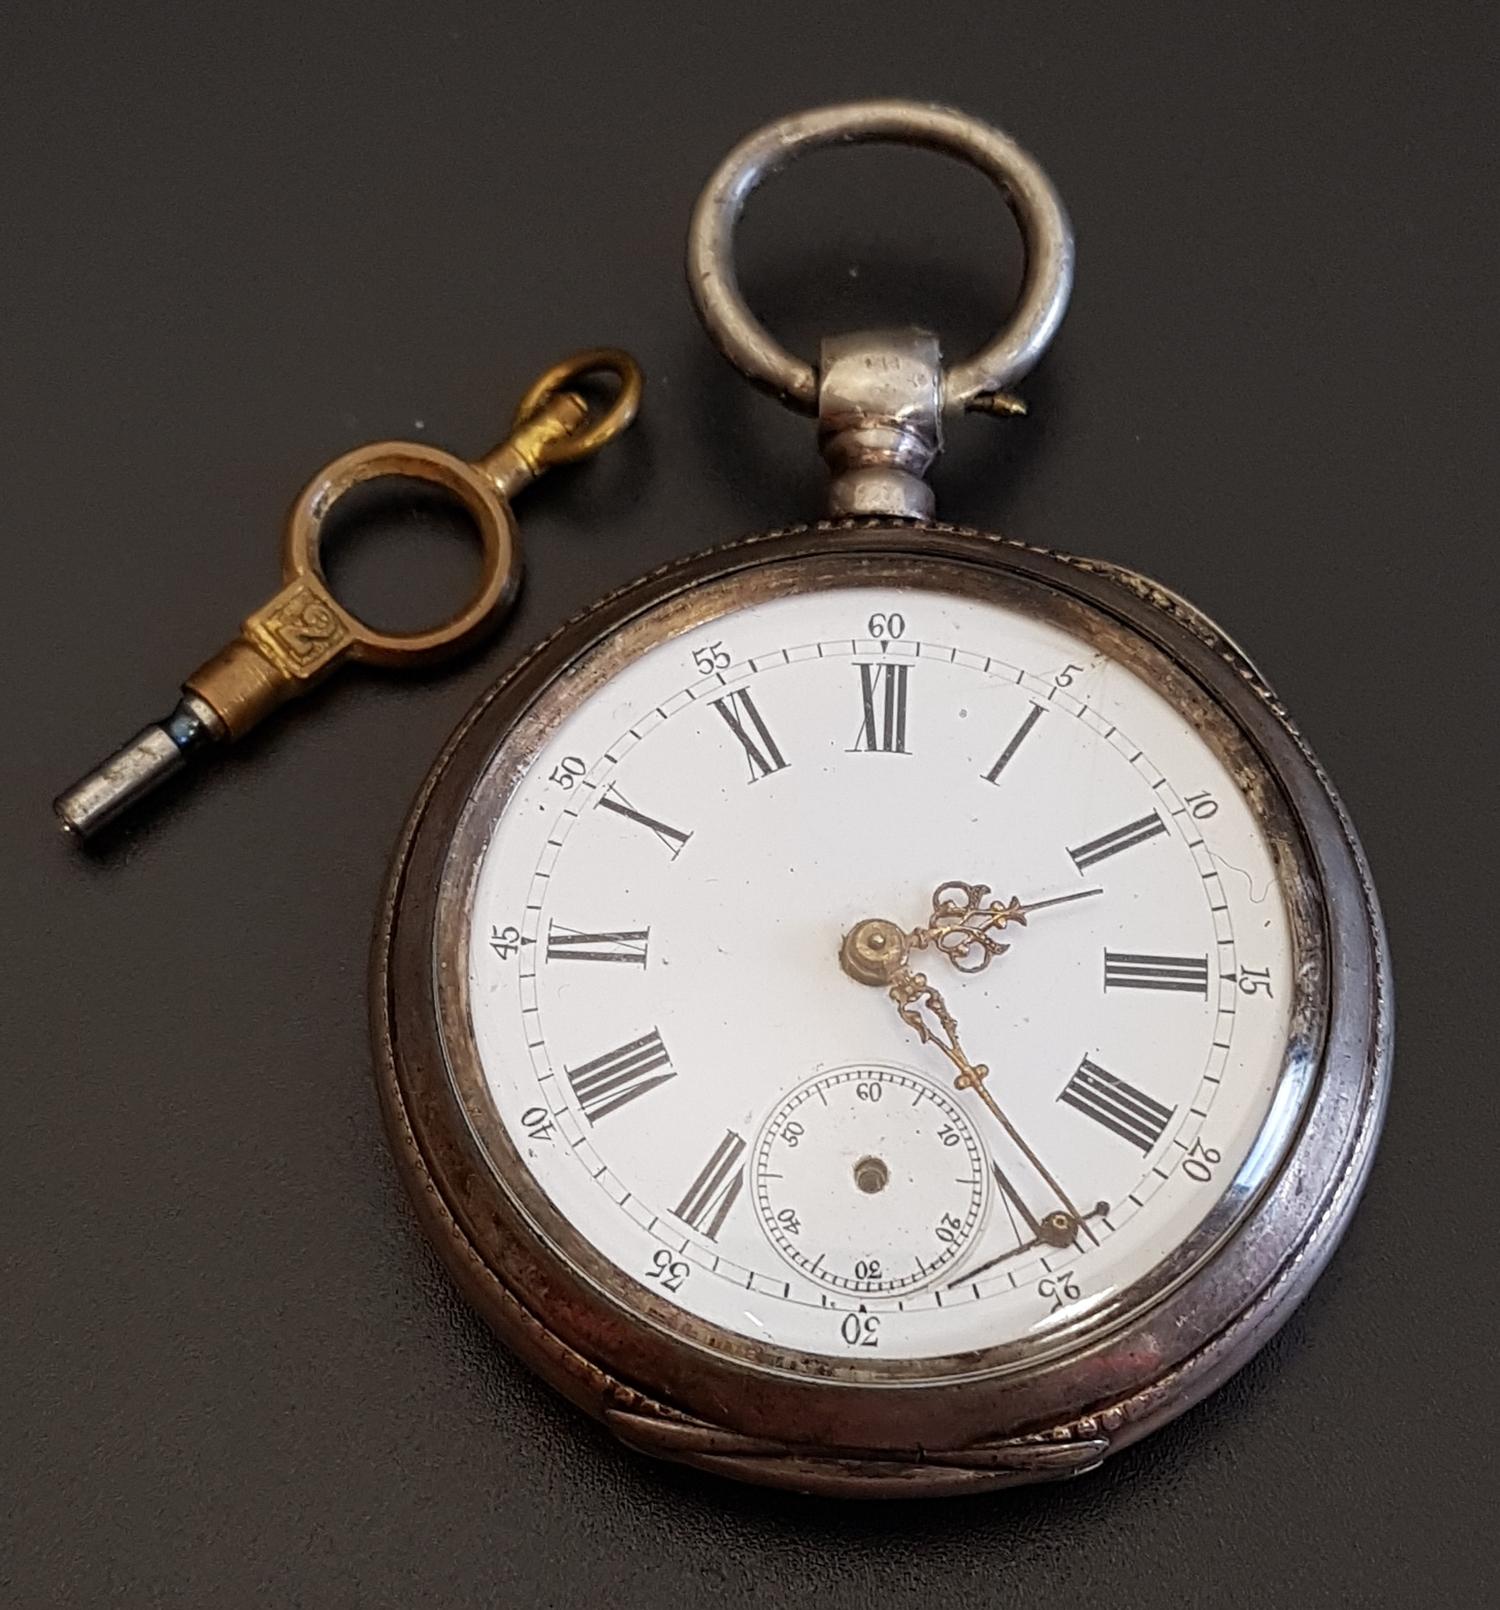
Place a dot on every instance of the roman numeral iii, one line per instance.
(1125, 970)
(605, 1085)
(1123, 838)
(573, 944)
(672, 837)
(706, 1203)
(1117, 1104)
(746, 723)
(883, 691)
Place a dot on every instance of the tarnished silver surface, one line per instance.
(1046, 237)
(880, 422)
(681, 1389)
(155, 754)
(1030, 1409)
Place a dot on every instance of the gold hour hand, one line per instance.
(965, 922)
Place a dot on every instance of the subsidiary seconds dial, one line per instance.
(870, 1181)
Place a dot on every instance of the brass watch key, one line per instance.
(289, 645)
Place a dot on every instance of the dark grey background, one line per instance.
(237, 241)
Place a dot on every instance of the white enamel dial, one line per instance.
(656, 997)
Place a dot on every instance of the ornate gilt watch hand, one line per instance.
(963, 927)
(877, 952)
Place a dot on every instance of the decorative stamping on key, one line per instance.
(300, 628)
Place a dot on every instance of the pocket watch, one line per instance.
(879, 1008)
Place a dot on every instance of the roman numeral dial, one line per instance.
(694, 1004)
(882, 691)
(609, 1082)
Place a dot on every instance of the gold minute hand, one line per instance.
(876, 952)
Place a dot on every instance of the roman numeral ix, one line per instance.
(673, 837)
(883, 689)
(605, 1085)
(1118, 1105)
(573, 944)
(707, 1201)
(1123, 838)
(745, 722)
(1124, 970)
